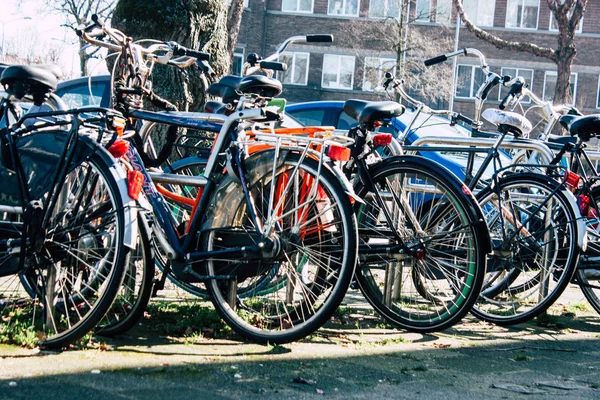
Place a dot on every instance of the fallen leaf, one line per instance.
(320, 391)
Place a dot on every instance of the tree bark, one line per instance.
(199, 25)
(234, 19)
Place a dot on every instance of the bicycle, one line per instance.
(234, 240)
(520, 210)
(65, 216)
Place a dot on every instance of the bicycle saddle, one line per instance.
(260, 85)
(38, 81)
(586, 127)
(226, 88)
(369, 112)
(508, 121)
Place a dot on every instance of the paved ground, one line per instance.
(472, 361)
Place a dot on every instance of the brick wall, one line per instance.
(264, 27)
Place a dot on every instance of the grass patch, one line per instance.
(16, 329)
(193, 321)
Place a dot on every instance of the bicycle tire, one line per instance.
(136, 289)
(589, 282)
(83, 253)
(540, 261)
(325, 243)
(436, 291)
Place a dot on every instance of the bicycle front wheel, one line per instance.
(535, 238)
(309, 268)
(422, 245)
(67, 287)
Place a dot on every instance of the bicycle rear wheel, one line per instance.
(67, 286)
(136, 289)
(434, 284)
(314, 253)
(528, 273)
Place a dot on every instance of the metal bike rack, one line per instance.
(482, 145)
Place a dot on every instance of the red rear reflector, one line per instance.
(339, 153)
(572, 179)
(119, 148)
(382, 139)
(135, 180)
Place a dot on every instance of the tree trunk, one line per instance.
(198, 25)
(234, 19)
(83, 58)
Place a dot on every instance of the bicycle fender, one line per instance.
(129, 204)
(582, 238)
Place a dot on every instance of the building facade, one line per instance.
(352, 66)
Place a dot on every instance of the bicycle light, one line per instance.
(119, 148)
(135, 181)
(338, 153)
(382, 139)
(572, 179)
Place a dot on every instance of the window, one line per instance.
(384, 8)
(346, 122)
(302, 6)
(468, 80)
(439, 11)
(310, 117)
(481, 12)
(527, 74)
(375, 68)
(80, 96)
(522, 14)
(297, 72)
(550, 85)
(238, 61)
(554, 25)
(348, 8)
(338, 72)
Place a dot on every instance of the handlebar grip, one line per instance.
(435, 60)
(319, 38)
(489, 87)
(274, 65)
(97, 20)
(515, 88)
(179, 50)
(87, 29)
(206, 68)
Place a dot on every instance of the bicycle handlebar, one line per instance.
(251, 68)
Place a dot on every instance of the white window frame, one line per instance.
(472, 91)
(578, 30)
(518, 74)
(239, 51)
(340, 56)
(554, 73)
(297, 10)
(292, 68)
(475, 19)
(598, 93)
(537, 20)
(343, 14)
(382, 60)
(431, 13)
(388, 16)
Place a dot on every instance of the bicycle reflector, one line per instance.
(118, 148)
(572, 179)
(338, 153)
(135, 181)
(382, 139)
(118, 124)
